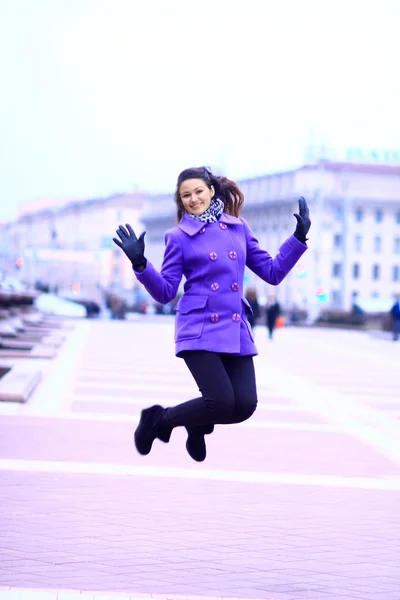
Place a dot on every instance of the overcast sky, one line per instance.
(101, 96)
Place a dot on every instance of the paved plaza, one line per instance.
(301, 502)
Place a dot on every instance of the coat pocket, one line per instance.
(190, 316)
(248, 311)
(247, 306)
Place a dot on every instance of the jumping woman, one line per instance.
(210, 246)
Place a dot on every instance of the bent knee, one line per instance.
(250, 409)
(245, 408)
(222, 407)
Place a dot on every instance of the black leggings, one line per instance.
(228, 387)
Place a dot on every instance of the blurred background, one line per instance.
(104, 102)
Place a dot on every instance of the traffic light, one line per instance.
(301, 271)
(322, 295)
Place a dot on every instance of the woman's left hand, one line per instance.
(303, 221)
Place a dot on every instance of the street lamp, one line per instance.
(53, 245)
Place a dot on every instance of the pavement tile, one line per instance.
(76, 596)
(112, 534)
(277, 451)
(35, 595)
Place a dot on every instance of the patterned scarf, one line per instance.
(213, 212)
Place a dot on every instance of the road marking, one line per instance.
(49, 396)
(138, 386)
(336, 481)
(352, 416)
(360, 351)
(12, 593)
(134, 419)
(144, 401)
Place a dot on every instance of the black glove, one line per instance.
(132, 246)
(303, 221)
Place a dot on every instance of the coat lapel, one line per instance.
(193, 226)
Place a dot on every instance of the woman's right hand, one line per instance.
(132, 246)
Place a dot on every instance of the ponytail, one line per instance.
(230, 194)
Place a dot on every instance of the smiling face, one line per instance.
(196, 196)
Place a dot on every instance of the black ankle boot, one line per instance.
(195, 443)
(150, 428)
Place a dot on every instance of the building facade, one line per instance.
(354, 245)
(69, 248)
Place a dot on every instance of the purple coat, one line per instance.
(212, 313)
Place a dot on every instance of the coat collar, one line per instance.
(193, 226)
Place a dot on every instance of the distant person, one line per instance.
(117, 307)
(210, 246)
(356, 310)
(273, 311)
(395, 314)
(295, 315)
(252, 299)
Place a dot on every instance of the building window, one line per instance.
(339, 213)
(398, 217)
(377, 244)
(358, 243)
(337, 269)
(359, 215)
(336, 298)
(396, 245)
(356, 270)
(375, 294)
(396, 273)
(337, 240)
(375, 272)
(378, 215)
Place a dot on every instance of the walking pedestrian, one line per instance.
(395, 313)
(273, 311)
(210, 246)
(252, 299)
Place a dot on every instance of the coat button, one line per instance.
(215, 287)
(203, 230)
(235, 286)
(223, 226)
(214, 318)
(232, 255)
(236, 317)
(213, 255)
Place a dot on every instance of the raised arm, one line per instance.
(163, 286)
(274, 270)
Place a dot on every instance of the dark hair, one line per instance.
(251, 294)
(225, 189)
